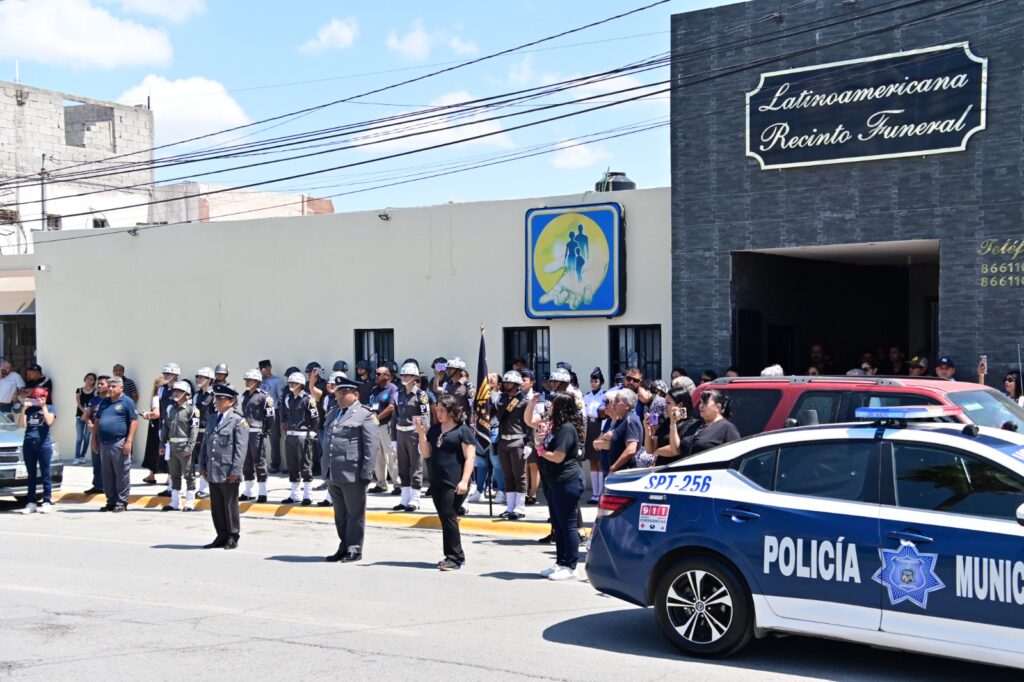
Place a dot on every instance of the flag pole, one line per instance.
(489, 481)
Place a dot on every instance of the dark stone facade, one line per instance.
(722, 202)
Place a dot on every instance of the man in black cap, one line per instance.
(945, 368)
(350, 445)
(274, 387)
(34, 378)
(220, 462)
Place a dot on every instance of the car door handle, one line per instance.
(909, 536)
(740, 515)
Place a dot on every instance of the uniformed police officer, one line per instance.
(457, 384)
(413, 403)
(512, 435)
(258, 410)
(317, 387)
(351, 449)
(179, 430)
(227, 437)
(364, 378)
(220, 373)
(328, 408)
(171, 373)
(203, 400)
(300, 419)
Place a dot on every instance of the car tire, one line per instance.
(704, 607)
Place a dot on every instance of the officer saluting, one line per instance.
(351, 448)
(258, 410)
(300, 417)
(227, 438)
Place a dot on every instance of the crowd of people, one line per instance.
(390, 430)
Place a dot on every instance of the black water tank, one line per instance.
(614, 181)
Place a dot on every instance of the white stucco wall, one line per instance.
(294, 289)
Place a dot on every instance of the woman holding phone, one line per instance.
(563, 483)
(449, 447)
(36, 418)
(679, 417)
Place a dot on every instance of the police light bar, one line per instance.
(908, 412)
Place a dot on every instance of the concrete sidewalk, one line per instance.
(379, 512)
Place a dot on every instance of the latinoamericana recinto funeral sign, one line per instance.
(913, 103)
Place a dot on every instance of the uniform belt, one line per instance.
(178, 440)
(256, 424)
(202, 431)
(253, 429)
(404, 429)
(515, 436)
(299, 433)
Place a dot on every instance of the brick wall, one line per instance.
(722, 202)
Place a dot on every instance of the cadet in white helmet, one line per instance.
(456, 383)
(203, 399)
(512, 441)
(155, 457)
(300, 417)
(179, 429)
(413, 406)
(258, 410)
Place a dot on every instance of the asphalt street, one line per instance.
(125, 596)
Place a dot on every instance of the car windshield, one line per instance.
(7, 421)
(988, 408)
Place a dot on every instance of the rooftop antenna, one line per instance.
(17, 71)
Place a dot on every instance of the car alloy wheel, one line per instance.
(703, 607)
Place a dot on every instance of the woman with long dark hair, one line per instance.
(449, 447)
(663, 440)
(563, 478)
(1011, 384)
(83, 396)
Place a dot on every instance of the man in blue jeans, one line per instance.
(114, 432)
(102, 391)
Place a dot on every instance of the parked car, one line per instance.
(13, 474)
(896, 533)
(769, 403)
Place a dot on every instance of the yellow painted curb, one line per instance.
(374, 517)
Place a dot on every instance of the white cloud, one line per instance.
(579, 156)
(187, 107)
(414, 45)
(520, 73)
(77, 34)
(464, 47)
(337, 34)
(440, 131)
(171, 10)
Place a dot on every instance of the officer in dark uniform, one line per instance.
(364, 377)
(512, 436)
(351, 445)
(317, 387)
(413, 403)
(220, 373)
(258, 410)
(328, 408)
(227, 437)
(459, 386)
(203, 400)
(164, 400)
(179, 431)
(300, 419)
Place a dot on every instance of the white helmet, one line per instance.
(297, 378)
(335, 375)
(172, 368)
(183, 386)
(410, 368)
(456, 363)
(562, 375)
(253, 374)
(512, 377)
(205, 372)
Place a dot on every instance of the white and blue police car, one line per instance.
(896, 533)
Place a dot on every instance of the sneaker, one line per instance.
(78, 461)
(531, 500)
(499, 498)
(564, 573)
(449, 565)
(29, 508)
(549, 570)
(475, 497)
(45, 508)
(93, 491)
(594, 500)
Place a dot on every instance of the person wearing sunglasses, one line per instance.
(619, 445)
(1012, 387)
(711, 430)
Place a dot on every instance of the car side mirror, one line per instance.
(1020, 515)
(1009, 426)
(808, 418)
(790, 423)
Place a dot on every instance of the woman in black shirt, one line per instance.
(83, 395)
(679, 417)
(563, 478)
(449, 447)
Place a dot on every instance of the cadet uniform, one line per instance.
(351, 446)
(258, 410)
(512, 436)
(203, 400)
(463, 391)
(227, 437)
(300, 418)
(415, 403)
(179, 429)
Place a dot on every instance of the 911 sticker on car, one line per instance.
(654, 517)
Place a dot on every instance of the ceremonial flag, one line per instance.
(482, 408)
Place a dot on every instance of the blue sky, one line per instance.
(209, 64)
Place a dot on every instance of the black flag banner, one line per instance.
(482, 408)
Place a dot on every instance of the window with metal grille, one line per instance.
(532, 344)
(100, 222)
(375, 345)
(53, 222)
(637, 346)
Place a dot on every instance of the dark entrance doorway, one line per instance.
(849, 297)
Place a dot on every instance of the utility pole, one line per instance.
(42, 194)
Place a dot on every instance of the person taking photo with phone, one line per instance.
(36, 417)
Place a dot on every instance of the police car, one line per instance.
(896, 533)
